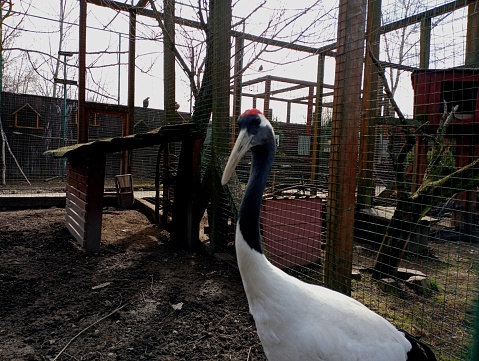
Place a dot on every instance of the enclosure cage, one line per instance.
(373, 190)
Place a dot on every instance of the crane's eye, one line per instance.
(256, 121)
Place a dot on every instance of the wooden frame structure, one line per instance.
(266, 82)
(341, 201)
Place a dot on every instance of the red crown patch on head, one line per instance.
(251, 112)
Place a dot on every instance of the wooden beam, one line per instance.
(290, 88)
(327, 49)
(302, 100)
(344, 145)
(116, 5)
(141, 3)
(437, 11)
(305, 83)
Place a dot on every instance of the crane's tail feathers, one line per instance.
(419, 351)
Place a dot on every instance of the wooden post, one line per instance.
(425, 43)
(82, 116)
(344, 145)
(309, 112)
(220, 20)
(463, 217)
(288, 112)
(185, 231)
(267, 96)
(169, 81)
(318, 114)
(420, 148)
(465, 143)
(125, 166)
(472, 36)
(237, 87)
(370, 108)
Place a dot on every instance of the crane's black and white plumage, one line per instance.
(297, 320)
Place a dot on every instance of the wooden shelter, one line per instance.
(85, 181)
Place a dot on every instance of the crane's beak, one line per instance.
(242, 145)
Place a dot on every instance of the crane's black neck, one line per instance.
(248, 216)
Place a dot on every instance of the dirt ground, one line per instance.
(139, 298)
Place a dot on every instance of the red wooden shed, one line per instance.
(434, 89)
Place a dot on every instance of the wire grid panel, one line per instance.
(430, 241)
(430, 280)
(33, 124)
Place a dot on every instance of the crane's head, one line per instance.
(255, 132)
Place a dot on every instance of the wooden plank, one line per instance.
(77, 193)
(76, 219)
(80, 237)
(76, 176)
(344, 145)
(78, 166)
(77, 205)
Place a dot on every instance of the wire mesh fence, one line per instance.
(373, 190)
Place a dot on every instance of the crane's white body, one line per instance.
(297, 321)
(300, 321)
